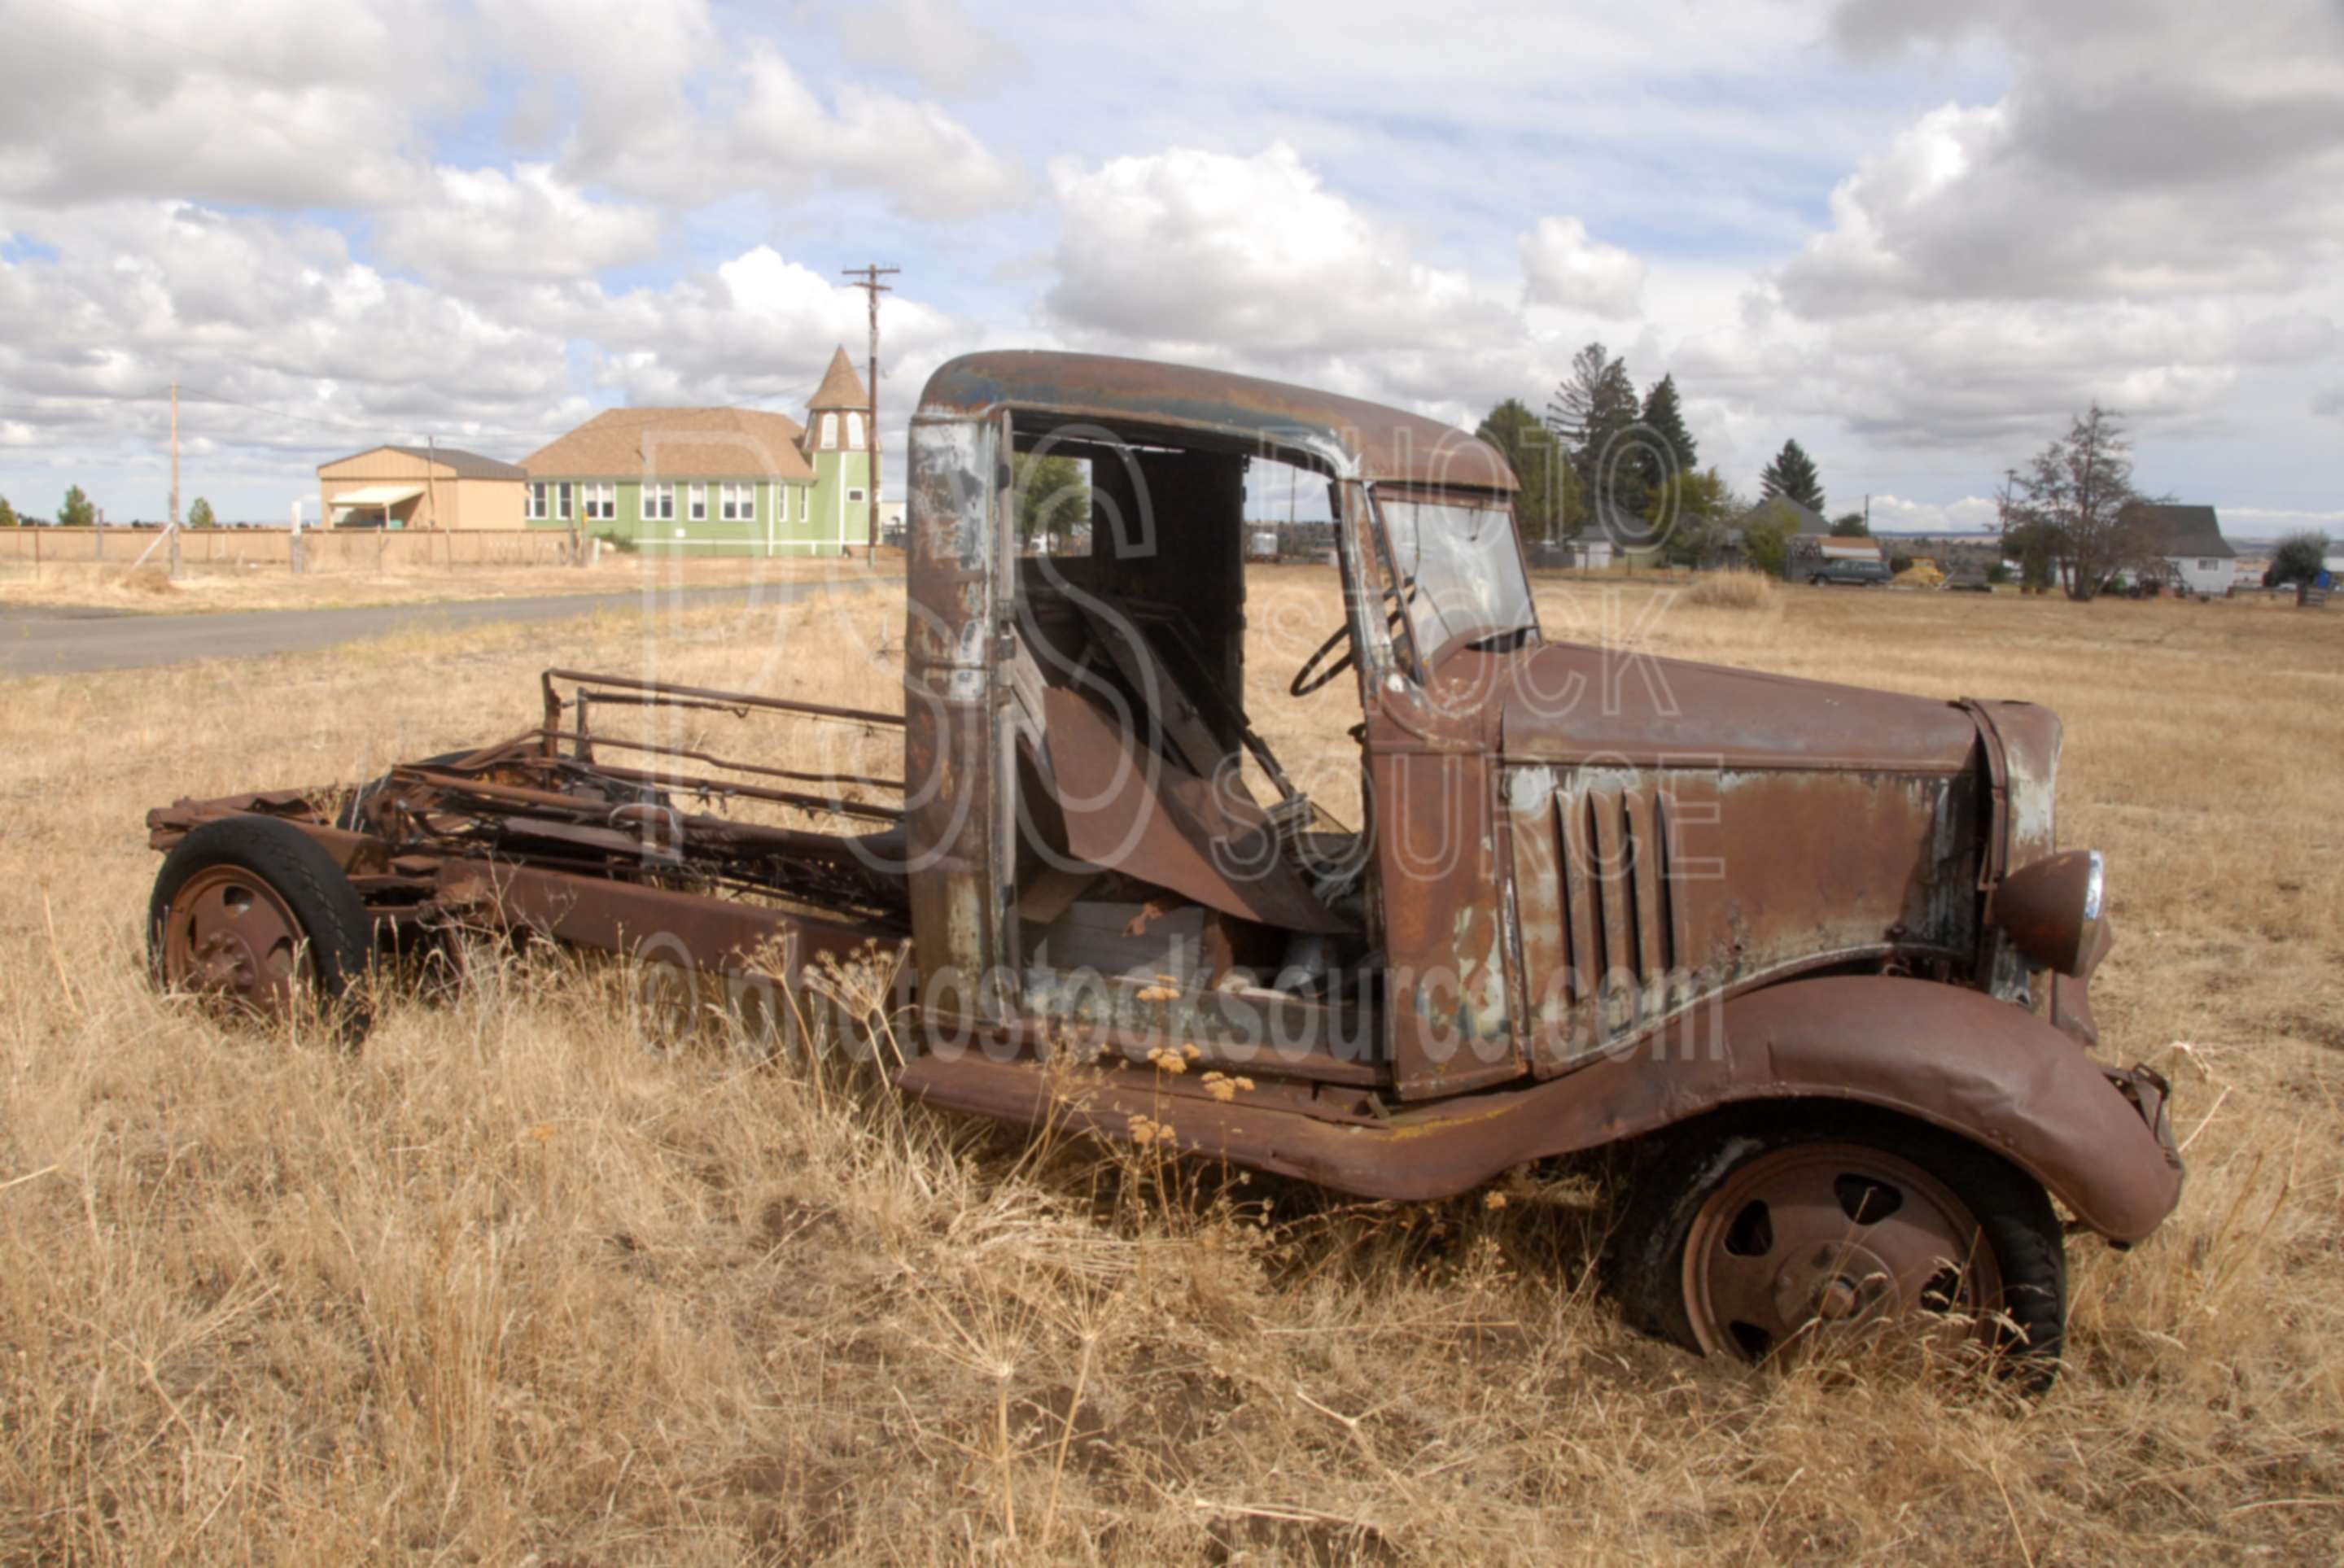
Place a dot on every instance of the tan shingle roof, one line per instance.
(676, 443)
(841, 386)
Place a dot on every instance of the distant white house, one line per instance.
(2190, 540)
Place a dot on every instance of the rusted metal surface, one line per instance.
(1150, 817)
(1598, 892)
(1942, 1054)
(230, 933)
(1824, 1270)
(1352, 439)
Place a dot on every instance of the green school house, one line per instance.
(716, 481)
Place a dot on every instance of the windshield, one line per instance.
(1463, 562)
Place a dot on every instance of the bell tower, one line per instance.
(838, 439)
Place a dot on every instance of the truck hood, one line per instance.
(1570, 703)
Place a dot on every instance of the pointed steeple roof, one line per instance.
(841, 386)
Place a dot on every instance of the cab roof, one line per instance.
(1351, 439)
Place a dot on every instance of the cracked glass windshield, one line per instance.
(1459, 565)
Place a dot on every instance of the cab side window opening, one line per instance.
(1136, 622)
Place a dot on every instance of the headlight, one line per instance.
(2051, 910)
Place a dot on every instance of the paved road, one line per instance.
(46, 641)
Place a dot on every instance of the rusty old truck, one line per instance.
(1813, 950)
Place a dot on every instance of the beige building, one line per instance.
(416, 488)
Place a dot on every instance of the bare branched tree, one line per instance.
(2078, 495)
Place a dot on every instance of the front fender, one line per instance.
(1971, 1064)
(1959, 1059)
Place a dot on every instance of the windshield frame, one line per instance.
(1454, 611)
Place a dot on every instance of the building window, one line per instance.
(537, 503)
(830, 432)
(737, 503)
(602, 502)
(855, 496)
(854, 431)
(659, 503)
(699, 503)
(561, 502)
(2205, 566)
(805, 500)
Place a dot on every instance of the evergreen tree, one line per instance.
(78, 512)
(1594, 413)
(1792, 474)
(1549, 488)
(1665, 418)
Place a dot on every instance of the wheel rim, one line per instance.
(1827, 1239)
(227, 934)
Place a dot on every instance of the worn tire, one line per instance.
(335, 925)
(1686, 1165)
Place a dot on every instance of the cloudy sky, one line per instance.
(1913, 234)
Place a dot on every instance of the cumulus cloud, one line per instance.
(331, 103)
(293, 105)
(1247, 254)
(757, 328)
(1566, 269)
(528, 224)
(928, 164)
(2153, 150)
(295, 344)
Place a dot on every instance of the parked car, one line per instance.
(1811, 951)
(1823, 571)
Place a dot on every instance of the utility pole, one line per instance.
(175, 480)
(872, 288)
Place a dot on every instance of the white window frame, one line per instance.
(563, 496)
(737, 503)
(854, 432)
(659, 503)
(854, 497)
(696, 503)
(830, 432)
(535, 502)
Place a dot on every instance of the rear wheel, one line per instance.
(249, 913)
(1751, 1238)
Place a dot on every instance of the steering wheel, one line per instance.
(1310, 677)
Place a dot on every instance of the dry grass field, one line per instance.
(510, 1286)
(228, 585)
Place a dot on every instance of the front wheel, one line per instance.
(1746, 1238)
